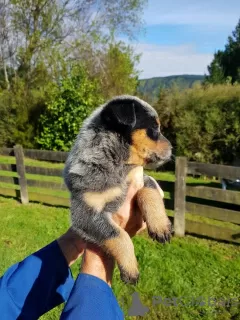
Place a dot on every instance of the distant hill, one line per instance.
(152, 86)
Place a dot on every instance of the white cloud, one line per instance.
(205, 21)
(157, 60)
(220, 13)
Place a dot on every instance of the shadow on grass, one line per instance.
(17, 197)
(49, 204)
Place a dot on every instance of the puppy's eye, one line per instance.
(153, 133)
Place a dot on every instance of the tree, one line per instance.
(40, 25)
(40, 40)
(168, 108)
(7, 120)
(118, 74)
(215, 70)
(70, 103)
(226, 63)
(45, 24)
(7, 42)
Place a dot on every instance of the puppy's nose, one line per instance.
(162, 138)
(168, 152)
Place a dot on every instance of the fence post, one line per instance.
(179, 196)
(18, 152)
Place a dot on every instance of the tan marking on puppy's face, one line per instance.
(143, 147)
(135, 157)
(152, 207)
(98, 200)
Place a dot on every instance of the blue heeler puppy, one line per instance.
(120, 137)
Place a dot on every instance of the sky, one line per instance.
(181, 36)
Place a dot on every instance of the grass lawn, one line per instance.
(188, 267)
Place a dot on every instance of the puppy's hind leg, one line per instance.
(99, 228)
(122, 249)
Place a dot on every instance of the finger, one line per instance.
(135, 228)
(76, 240)
(135, 223)
(143, 227)
(132, 191)
(133, 188)
(135, 177)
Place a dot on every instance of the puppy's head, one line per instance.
(138, 123)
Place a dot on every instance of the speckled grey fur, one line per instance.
(95, 164)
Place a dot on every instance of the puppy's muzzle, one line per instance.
(161, 155)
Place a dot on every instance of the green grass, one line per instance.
(188, 267)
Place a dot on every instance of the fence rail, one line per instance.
(214, 194)
(213, 212)
(44, 171)
(183, 198)
(211, 231)
(8, 167)
(213, 170)
(58, 156)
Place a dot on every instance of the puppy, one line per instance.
(118, 139)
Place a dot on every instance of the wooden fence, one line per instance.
(36, 172)
(200, 201)
(214, 197)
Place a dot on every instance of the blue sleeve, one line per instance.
(32, 287)
(91, 299)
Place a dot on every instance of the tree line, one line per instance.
(59, 60)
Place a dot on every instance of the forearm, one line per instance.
(97, 263)
(35, 285)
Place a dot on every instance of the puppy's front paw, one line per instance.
(129, 278)
(161, 232)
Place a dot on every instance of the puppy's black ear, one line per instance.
(120, 112)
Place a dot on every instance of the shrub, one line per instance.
(70, 103)
(203, 122)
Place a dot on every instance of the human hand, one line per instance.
(129, 216)
(71, 245)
